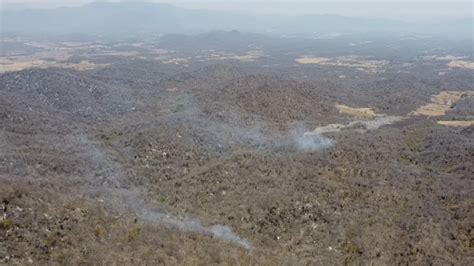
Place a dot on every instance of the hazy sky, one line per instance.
(402, 9)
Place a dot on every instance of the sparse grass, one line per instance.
(134, 232)
(6, 224)
(98, 231)
(363, 112)
(404, 158)
(442, 103)
(353, 248)
(109, 138)
(32, 62)
(458, 123)
(50, 242)
(414, 141)
(352, 244)
(461, 64)
(413, 144)
(177, 108)
(369, 66)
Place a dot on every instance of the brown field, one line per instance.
(461, 64)
(363, 112)
(21, 65)
(361, 64)
(441, 103)
(466, 123)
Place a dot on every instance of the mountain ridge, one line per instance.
(144, 18)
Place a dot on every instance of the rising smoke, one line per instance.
(133, 200)
(127, 199)
(191, 225)
(311, 143)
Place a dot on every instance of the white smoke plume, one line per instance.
(311, 143)
(133, 200)
(191, 225)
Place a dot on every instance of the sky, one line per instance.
(402, 9)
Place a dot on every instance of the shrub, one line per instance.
(6, 224)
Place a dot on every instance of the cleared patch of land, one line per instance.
(455, 62)
(357, 125)
(363, 112)
(443, 57)
(10, 66)
(359, 63)
(466, 123)
(441, 103)
(461, 64)
(176, 61)
(248, 56)
(313, 60)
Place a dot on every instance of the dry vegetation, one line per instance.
(154, 160)
(442, 102)
(8, 65)
(249, 56)
(454, 62)
(366, 65)
(461, 64)
(362, 112)
(459, 123)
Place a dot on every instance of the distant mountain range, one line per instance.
(128, 19)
